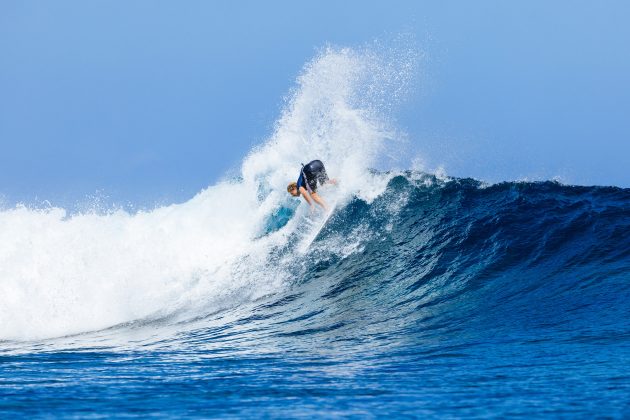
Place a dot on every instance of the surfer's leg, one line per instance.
(318, 171)
(322, 177)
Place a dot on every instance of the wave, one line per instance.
(66, 273)
(433, 255)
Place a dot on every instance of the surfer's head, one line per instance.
(293, 189)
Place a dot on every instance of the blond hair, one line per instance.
(291, 186)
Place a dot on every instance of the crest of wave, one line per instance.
(64, 274)
(337, 113)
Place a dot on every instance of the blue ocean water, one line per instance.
(422, 296)
(454, 299)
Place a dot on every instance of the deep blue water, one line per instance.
(463, 300)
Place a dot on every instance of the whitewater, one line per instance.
(423, 295)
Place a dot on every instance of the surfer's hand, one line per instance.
(312, 209)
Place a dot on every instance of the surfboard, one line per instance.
(315, 229)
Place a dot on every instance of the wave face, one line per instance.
(421, 296)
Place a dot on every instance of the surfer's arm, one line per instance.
(319, 200)
(306, 196)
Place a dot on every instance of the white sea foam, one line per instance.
(64, 274)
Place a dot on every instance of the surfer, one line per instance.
(311, 174)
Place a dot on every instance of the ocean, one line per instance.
(424, 295)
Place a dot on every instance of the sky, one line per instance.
(152, 101)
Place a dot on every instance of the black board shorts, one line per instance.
(315, 174)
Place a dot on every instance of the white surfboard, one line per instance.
(314, 229)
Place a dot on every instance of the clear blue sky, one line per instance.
(154, 100)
